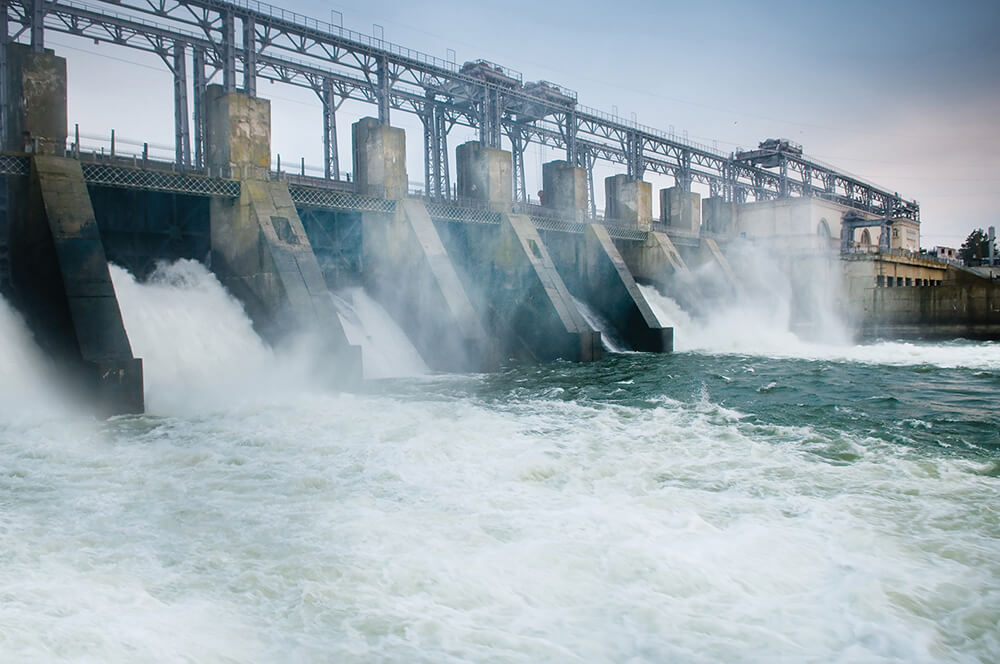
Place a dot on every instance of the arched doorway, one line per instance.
(866, 240)
(823, 229)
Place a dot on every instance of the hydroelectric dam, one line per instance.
(475, 273)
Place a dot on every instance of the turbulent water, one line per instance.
(739, 500)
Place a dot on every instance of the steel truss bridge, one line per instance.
(235, 44)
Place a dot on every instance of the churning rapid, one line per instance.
(740, 500)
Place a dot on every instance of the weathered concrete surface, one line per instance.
(714, 255)
(564, 188)
(262, 255)
(63, 288)
(595, 271)
(484, 175)
(238, 133)
(408, 270)
(656, 260)
(629, 201)
(379, 159)
(36, 92)
(961, 305)
(718, 216)
(680, 210)
(260, 251)
(522, 300)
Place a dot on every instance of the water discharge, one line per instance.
(727, 504)
(385, 348)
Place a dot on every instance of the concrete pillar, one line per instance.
(718, 216)
(484, 175)
(238, 134)
(564, 188)
(62, 286)
(521, 298)
(59, 271)
(680, 210)
(36, 94)
(379, 159)
(595, 271)
(260, 250)
(629, 201)
(408, 270)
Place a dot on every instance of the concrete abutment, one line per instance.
(60, 280)
(260, 250)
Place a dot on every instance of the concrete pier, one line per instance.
(59, 271)
(718, 216)
(379, 159)
(628, 201)
(519, 294)
(408, 270)
(564, 188)
(595, 271)
(680, 210)
(484, 175)
(260, 250)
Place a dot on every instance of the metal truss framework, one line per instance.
(242, 42)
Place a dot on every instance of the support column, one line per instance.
(565, 189)
(228, 53)
(680, 210)
(718, 216)
(182, 141)
(198, 65)
(59, 271)
(331, 155)
(517, 147)
(382, 90)
(249, 56)
(595, 272)
(260, 250)
(4, 112)
(523, 301)
(437, 181)
(484, 175)
(37, 9)
(379, 159)
(628, 201)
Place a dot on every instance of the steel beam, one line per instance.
(249, 56)
(331, 157)
(286, 47)
(4, 111)
(199, 87)
(182, 139)
(228, 51)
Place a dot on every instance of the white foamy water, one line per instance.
(368, 528)
(29, 385)
(198, 347)
(609, 337)
(386, 351)
(452, 521)
(753, 330)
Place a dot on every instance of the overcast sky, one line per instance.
(905, 94)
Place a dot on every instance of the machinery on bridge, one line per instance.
(237, 44)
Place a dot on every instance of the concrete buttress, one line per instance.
(523, 301)
(260, 250)
(596, 272)
(408, 270)
(63, 287)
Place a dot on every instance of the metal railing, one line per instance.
(332, 199)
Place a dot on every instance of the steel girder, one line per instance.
(278, 45)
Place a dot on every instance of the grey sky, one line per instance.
(906, 94)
